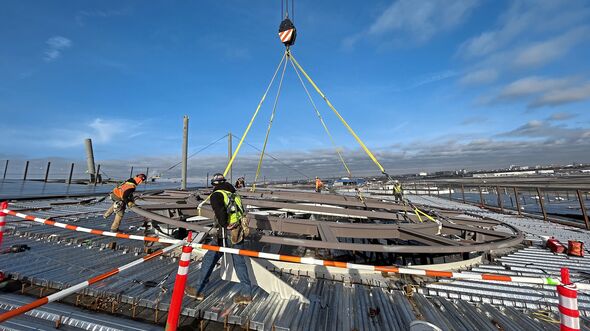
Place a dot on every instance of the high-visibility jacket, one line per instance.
(318, 184)
(124, 190)
(235, 209)
(397, 188)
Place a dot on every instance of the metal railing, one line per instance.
(557, 202)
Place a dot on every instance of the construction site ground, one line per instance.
(129, 301)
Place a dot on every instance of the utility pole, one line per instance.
(229, 155)
(184, 151)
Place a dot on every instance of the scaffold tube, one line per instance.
(319, 262)
(179, 285)
(73, 289)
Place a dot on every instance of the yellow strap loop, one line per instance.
(416, 212)
(423, 213)
(272, 116)
(233, 157)
(365, 148)
(321, 119)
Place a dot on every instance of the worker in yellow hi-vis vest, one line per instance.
(398, 191)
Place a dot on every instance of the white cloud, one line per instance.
(561, 116)
(542, 91)
(416, 22)
(56, 45)
(524, 19)
(482, 76)
(533, 85)
(562, 96)
(544, 52)
(99, 130)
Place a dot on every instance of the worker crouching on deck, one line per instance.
(227, 205)
(122, 197)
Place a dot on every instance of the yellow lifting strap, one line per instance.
(321, 120)
(272, 116)
(233, 157)
(365, 148)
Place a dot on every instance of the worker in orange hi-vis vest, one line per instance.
(318, 184)
(122, 197)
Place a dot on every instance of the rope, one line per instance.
(365, 148)
(235, 153)
(233, 157)
(321, 119)
(272, 116)
(276, 159)
(195, 153)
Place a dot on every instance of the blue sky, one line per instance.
(428, 85)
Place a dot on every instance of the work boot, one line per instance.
(242, 299)
(191, 292)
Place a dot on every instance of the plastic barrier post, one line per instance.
(568, 303)
(3, 206)
(179, 285)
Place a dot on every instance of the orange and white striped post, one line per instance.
(179, 285)
(73, 289)
(568, 303)
(3, 205)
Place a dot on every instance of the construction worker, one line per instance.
(122, 197)
(240, 183)
(318, 184)
(398, 191)
(228, 210)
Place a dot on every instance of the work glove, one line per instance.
(130, 204)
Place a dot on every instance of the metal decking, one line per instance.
(59, 258)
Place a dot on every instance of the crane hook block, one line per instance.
(287, 32)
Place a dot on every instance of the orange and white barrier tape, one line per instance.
(88, 230)
(179, 285)
(3, 205)
(568, 303)
(313, 261)
(73, 289)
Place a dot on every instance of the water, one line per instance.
(19, 189)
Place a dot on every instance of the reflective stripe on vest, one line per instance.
(397, 188)
(236, 216)
(120, 190)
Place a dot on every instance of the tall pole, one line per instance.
(71, 173)
(131, 172)
(229, 155)
(26, 170)
(5, 169)
(184, 151)
(47, 171)
(90, 159)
